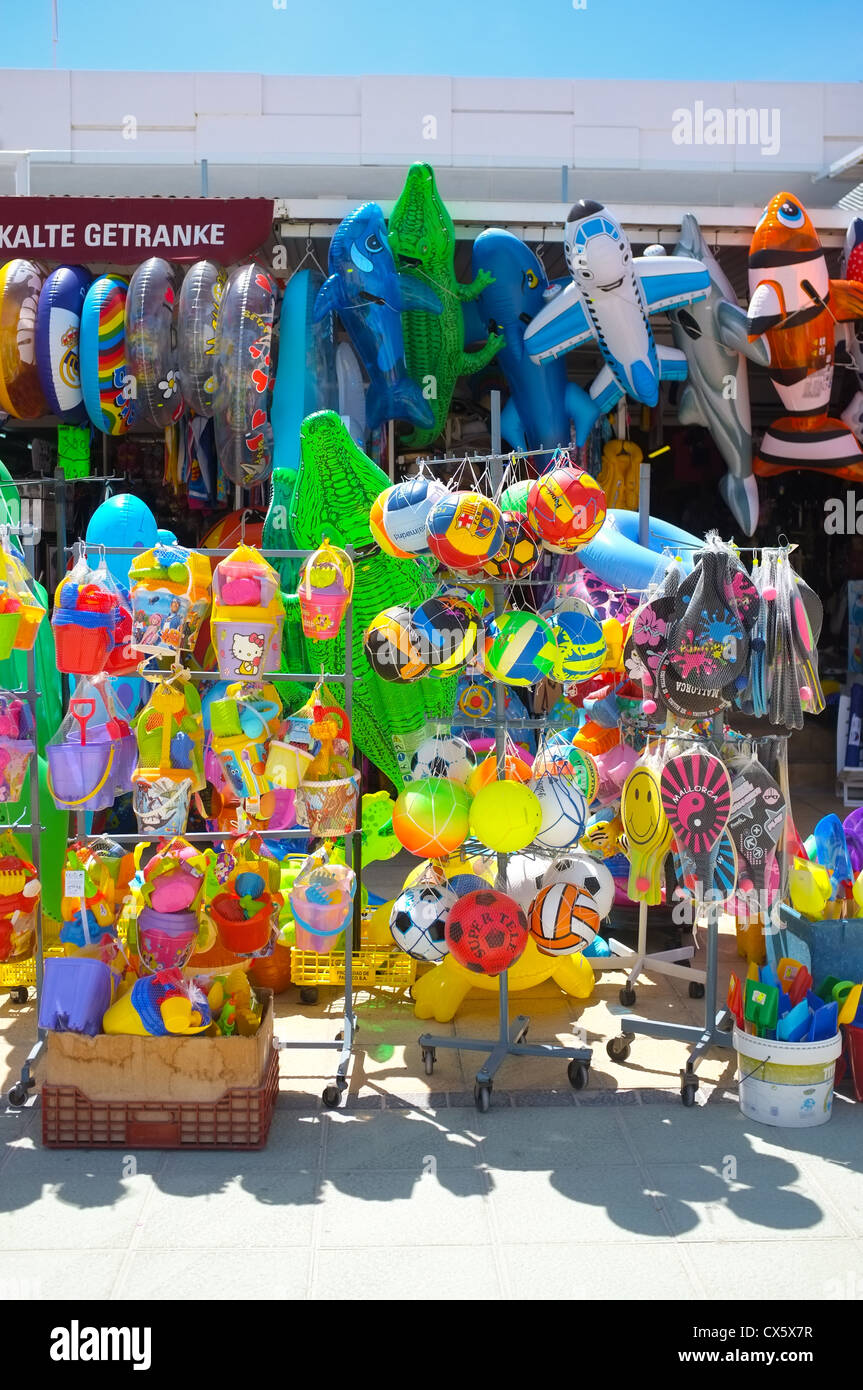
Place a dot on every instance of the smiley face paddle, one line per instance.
(648, 833)
(696, 796)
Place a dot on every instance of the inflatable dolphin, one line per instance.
(541, 402)
(712, 334)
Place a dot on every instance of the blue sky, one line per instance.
(781, 40)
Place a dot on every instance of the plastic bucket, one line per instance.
(81, 775)
(244, 650)
(789, 1084)
(9, 625)
(81, 641)
(286, 765)
(161, 800)
(15, 755)
(322, 942)
(329, 809)
(31, 616)
(166, 939)
(322, 616)
(244, 938)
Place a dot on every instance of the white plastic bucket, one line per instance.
(789, 1084)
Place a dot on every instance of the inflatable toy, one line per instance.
(333, 494)
(197, 333)
(563, 919)
(243, 376)
(21, 393)
(352, 392)
(519, 554)
(505, 816)
(122, 520)
(418, 918)
(430, 817)
(542, 402)
(404, 512)
(486, 931)
(464, 530)
(712, 335)
(565, 508)
(58, 329)
(795, 305)
(608, 303)
(306, 367)
(391, 649)
(516, 769)
(439, 993)
(151, 342)
(520, 648)
(422, 241)
(368, 294)
(615, 556)
(105, 381)
(563, 811)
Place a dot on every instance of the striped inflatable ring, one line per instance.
(20, 392)
(58, 329)
(105, 377)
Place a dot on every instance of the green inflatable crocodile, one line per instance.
(422, 240)
(333, 492)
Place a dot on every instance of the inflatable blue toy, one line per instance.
(616, 557)
(541, 402)
(126, 521)
(369, 295)
(58, 326)
(306, 372)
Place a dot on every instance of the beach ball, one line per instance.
(514, 498)
(505, 816)
(388, 644)
(566, 508)
(486, 931)
(430, 817)
(520, 552)
(524, 877)
(444, 756)
(464, 530)
(580, 647)
(563, 811)
(404, 511)
(585, 772)
(376, 526)
(516, 769)
(418, 918)
(588, 875)
(441, 634)
(520, 648)
(563, 919)
(122, 520)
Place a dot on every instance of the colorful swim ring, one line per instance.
(20, 391)
(151, 341)
(105, 378)
(58, 331)
(200, 301)
(244, 376)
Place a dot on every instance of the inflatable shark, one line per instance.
(542, 402)
(609, 302)
(369, 295)
(712, 334)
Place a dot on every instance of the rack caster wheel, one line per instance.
(627, 997)
(331, 1097)
(696, 989)
(19, 996)
(618, 1049)
(689, 1089)
(482, 1097)
(308, 994)
(578, 1074)
(17, 1095)
(429, 1059)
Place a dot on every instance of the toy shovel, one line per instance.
(735, 1001)
(824, 1023)
(850, 1005)
(82, 712)
(799, 986)
(761, 1006)
(795, 1025)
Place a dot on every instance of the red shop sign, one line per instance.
(125, 231)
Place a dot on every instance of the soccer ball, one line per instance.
(390, 648)
(564, 811)
(418, 920)
(519, 554)
(441, 634)
(524, 878)
(588, 875)
(464, 530)
(486, 931)
(563, 919)
(376, 526)
(405, 509)
(565, 507)
(443, 757)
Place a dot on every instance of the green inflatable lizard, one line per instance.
(334, 490)
(422, 240)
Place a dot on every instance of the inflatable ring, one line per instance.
(58, 329)
(244, 376)
(151, 342)
(615, 556)
(104, 369)
(20, 390)
(306, 377)
(197, 321)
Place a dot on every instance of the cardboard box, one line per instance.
(195, 1068)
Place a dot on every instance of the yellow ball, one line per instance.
(506, 816)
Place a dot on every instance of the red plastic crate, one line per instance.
(240, 1120)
